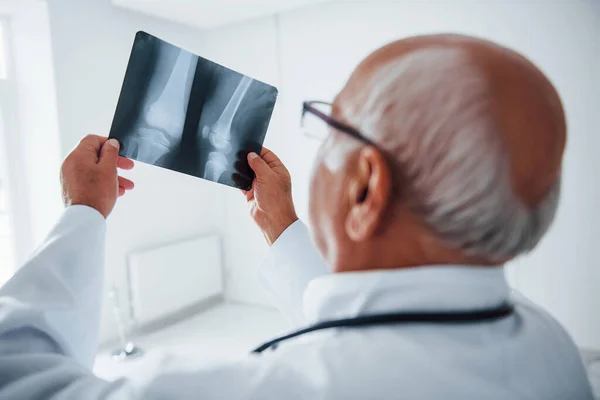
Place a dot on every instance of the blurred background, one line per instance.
(181, 252)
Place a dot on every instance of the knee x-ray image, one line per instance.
(188, 114)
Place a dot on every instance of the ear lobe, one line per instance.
(370, 195)
(358, 224)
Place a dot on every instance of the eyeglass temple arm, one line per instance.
(307, 107)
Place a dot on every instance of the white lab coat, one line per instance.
(50, 312)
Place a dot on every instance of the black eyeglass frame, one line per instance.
(308, 107)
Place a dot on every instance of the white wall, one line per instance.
(91, 42)
(252, 48)
(316, 48)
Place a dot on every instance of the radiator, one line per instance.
(167, 279)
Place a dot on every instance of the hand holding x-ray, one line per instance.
(89, 175)
(185, 113)
(270, 198)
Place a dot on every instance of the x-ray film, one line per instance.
(188, 114)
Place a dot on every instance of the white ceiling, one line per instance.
(206, 14)
(211, 13)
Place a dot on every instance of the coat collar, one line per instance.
(432, 288)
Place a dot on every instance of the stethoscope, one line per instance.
(434, 317)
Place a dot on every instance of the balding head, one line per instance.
(470, 139)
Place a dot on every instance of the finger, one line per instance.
(259, 166)
(241, 182)
(125, 183)
(242, 168)
(250, 195)
(121, 191)
(125, 163)
(270, 157)
(91, 144)
(94, 141)
(109, 153)
(248, 192)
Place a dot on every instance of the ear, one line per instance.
(369, 195)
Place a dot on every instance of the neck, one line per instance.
(406, 244)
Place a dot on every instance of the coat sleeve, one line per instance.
(49, 320)
(292, 262)
(50, 310)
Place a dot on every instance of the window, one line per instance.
(7, 239)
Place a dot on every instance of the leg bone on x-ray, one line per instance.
(219, 134)
(163, 120)
(215, 166)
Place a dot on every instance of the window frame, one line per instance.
(18, 193)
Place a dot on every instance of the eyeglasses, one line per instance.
(314, 113)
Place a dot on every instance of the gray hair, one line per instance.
(431, 110)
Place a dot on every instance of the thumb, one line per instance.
(258, 165)
(109, 153)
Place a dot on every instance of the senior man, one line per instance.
(443, 162)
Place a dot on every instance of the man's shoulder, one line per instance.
(541, 322)
(526, 306)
